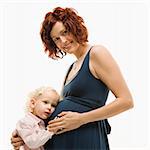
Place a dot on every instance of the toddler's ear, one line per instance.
(32, 104)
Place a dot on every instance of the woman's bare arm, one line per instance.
(103, 67)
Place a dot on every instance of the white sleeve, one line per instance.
(32, 138)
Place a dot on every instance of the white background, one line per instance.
(121, 26)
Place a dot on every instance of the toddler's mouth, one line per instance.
(47, 113)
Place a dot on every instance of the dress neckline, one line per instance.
(77, 73)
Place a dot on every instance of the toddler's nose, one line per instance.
(49, 108)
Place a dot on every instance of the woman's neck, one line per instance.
(81, 51)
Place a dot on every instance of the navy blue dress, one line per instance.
(83, 93)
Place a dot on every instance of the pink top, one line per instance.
(32, 130)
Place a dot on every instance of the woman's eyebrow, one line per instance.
(62, 30)
(57, 35)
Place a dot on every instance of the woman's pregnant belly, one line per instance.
(67, 105)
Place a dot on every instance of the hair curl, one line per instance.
(73, 24)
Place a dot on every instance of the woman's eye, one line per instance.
(56, 39)
(65, 32)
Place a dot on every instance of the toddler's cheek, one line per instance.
(52, 110)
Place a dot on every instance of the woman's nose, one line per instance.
(63, 39)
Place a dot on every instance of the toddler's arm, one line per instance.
(33, 138)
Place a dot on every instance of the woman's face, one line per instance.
(64, 40)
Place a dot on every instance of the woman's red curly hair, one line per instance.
(73, 24)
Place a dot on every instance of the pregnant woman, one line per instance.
(82, 112)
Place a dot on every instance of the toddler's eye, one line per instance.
(45, 102)
(53, 105)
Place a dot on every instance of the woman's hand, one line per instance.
(16, 140)
(66, 121)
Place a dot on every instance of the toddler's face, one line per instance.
(45, 105)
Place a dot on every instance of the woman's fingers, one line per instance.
(16, 148)
(61, 131)
(16, 141)
(59, 118)
(53, 125)
(66, 121)
(56, 126)
(63, 113)
(17, 145)
(55, 120)
(55, 129)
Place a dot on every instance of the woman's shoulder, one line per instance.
(98, 46)
(99, 52)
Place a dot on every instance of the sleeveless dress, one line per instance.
(83, 93)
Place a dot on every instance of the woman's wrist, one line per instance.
(84, 118)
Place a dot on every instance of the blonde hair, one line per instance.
(38, 93)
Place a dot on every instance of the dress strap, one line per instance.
(68, 73)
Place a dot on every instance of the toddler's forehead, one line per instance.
(49, 94)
